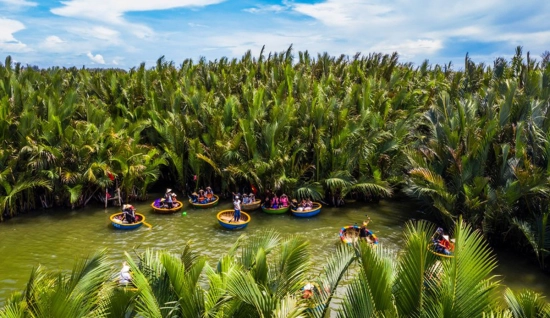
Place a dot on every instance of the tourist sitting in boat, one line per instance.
(129, 213)
(308, 205)
(445, 246)
(209, 194)
(307, 291)
(251, 198)
(246, 200)
(283, 201)
(194, 197)
(294, 204)
(275, 202)
(267, 202)
(202, 197)
(301, 205)
(438, 235)
(125, 278)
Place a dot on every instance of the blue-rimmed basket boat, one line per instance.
(281, 210)
(157, 207)
(251, 206)
(225, 218)
(205, 205)
(350, 234)
(116, 220)
(316, 209)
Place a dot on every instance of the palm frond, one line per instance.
(526, 304)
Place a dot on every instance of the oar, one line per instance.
(147, 224)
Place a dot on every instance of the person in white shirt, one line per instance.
(237, 207)
(125, 277)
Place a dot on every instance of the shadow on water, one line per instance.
(56, 238)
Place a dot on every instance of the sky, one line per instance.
(125, 33)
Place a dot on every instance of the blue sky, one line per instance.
(124, 33)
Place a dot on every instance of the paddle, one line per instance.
(147, 224)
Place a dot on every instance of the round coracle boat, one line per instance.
(440, 253)
(225, 218)
(118, 222)
(350, 234)
(251, 206)
(159, 207)
(205, 205)
(281, 210)
(316, 209)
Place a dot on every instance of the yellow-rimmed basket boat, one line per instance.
(225, 218)
(251, 206)
(431, 248)
(316, 209)
(116, 220)
(157, 207)
(350, 235)
(205, 205)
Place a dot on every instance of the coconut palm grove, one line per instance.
(469, 145)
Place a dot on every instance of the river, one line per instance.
(56, 238)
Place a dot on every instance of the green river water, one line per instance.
(56, 238)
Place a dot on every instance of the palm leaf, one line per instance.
(526, 304)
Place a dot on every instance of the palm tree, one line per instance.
(49, 294)
(416, 284)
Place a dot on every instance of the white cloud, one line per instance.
(410, 48)
(196, 25)
(98, 32)
(8, 43)
(343, 13)
(52, 43)
(19, 3)
(113, 11)
(423, 28)
(267, 8)
(98, 58)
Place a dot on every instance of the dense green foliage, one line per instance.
(472, 142)
(263, 276)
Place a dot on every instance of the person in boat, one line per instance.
(246, 200)
(283, 201)
(251, 198)
(275, 202)
(129, 213)
(440, 241)
(445, 246)
(365, 234)
(202, 197)
(308, 205)
(294, 204)
(125, 278)
(301, 205)
(267, 202)
(307, 291)
(237, 207)
(168, 198)
(209, 194)
(438, 235)
(194, 197)
(174, 199)
(235, 195)
(363, 231)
